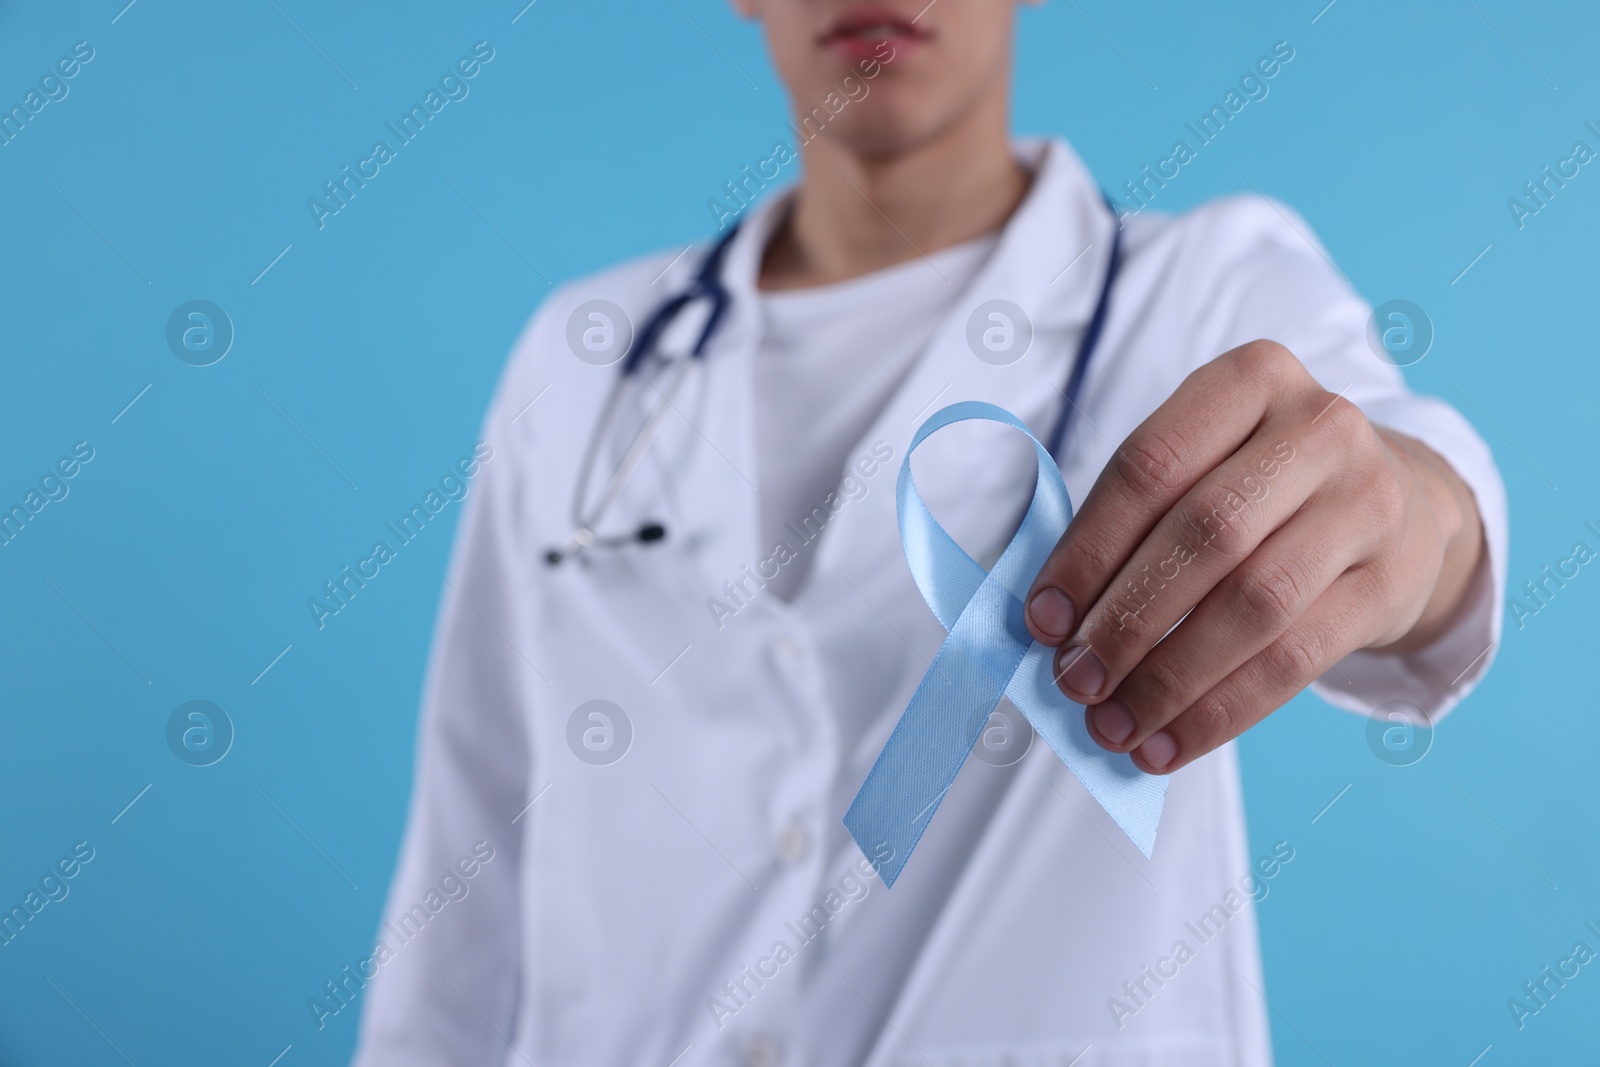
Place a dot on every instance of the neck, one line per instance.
(855, 213)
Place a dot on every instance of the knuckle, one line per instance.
(1159, 687)
(1124, 626)
(1385, 586)
(1211, 719)
(1151, 463)
(1217, 518)
(1386, 501)
(1374, 578)
(1340, 419)
(1294, 661)
(1091, 553)
(1264, 360)
(1270, 595)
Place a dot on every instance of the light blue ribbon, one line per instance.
(988, 654)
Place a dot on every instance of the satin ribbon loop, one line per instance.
(987, 654)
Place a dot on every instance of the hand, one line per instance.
(1268, 526)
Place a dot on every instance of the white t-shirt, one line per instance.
(829, 360)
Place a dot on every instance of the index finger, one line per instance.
(1206, 420)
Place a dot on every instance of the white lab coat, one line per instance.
(621, 901)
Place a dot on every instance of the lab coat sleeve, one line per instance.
(449, 980)
(1276, 281)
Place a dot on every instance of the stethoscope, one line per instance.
(707, 285)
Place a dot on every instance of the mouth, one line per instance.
(864, 34)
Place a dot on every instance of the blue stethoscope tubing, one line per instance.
(707, 285)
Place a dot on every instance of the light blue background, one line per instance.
(193, 539)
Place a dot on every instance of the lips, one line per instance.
(860, 35)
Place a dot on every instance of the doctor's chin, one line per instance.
(799, 533)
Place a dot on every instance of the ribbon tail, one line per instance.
(931, 741)
(1131, 797)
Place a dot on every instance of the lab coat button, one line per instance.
(761, 1050)
(793, 843)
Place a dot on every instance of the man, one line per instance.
(657, 737)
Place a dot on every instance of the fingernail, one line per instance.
(1114, 721)
(1159, 749)
(1052, 613)
(1083, 673)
